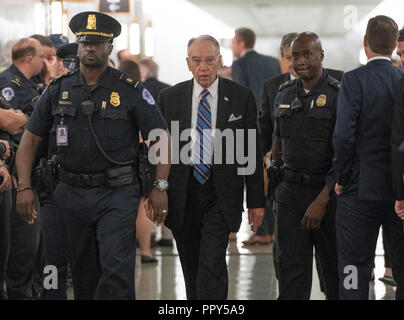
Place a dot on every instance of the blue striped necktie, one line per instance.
(203, 142)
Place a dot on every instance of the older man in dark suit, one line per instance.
(362, 164)
(206, 194)
(251, 68)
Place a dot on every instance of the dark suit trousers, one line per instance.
(56, 248)
(358, 223)
(202, 243)
(5, 209)
(296, 245)
(23, 261)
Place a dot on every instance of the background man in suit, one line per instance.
(206, 198)
(148, 76)
(362, 164)
(400, 46)
(251, 68)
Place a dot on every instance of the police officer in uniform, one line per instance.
(52, 226)
(101, 111)
(20, 92)
(305, 110)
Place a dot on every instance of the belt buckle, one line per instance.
(85, 180)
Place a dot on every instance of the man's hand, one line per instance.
(399, 207)
(7, 145)
(52, 68)
(255, 217)
(315, 212)
(158, 201)
(25, 205)
(6, 184)
(338, 189)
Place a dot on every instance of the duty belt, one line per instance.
(82, 180)
(303, 178)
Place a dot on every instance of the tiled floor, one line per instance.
(251, 274)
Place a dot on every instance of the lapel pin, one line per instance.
(226, 99)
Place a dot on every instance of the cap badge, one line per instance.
(91, 22)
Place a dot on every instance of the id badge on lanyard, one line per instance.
(61, 134)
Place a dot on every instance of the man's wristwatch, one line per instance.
(162, 185)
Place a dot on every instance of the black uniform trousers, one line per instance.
(202, 243)
(5, 209)
(101, 230)
(24, 261)
(55, 244)
(296, 245)
(358, 223)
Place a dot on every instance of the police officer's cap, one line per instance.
(94, 27)
(58, 40)
(67, 51)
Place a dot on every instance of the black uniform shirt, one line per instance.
(307, 134)
(123, 107)
(18, 90)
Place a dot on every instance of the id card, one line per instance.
(61, 135)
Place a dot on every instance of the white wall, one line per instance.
(174, 23)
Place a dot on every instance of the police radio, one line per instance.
(296, 104)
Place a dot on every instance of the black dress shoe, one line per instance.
(147, 259)
(388, 280)
(165, 243)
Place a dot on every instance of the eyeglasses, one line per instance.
(209, 61)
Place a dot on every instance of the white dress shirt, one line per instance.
(212, 98)
(379, 58)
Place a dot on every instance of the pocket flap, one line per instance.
(65, 110)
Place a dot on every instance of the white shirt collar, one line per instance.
(379, 58)
(213, 89)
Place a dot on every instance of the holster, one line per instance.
(46, 176)
(275, 175)
(120, 176)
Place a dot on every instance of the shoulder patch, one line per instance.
(146, 95)
(286, 84)
(8, 93)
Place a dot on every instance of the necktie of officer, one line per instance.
(203, 143)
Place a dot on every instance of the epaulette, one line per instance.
(334, 82)
(62, 76)
(132, 82)
(286, 84)
(16, 81)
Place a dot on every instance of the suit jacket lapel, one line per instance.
(223, 105)
(186, 105)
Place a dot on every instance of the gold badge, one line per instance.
(104, 105)
(284, 106)
(129, 80)
(91, 22)
(65, 95)
(321, 100)
(115, 99)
